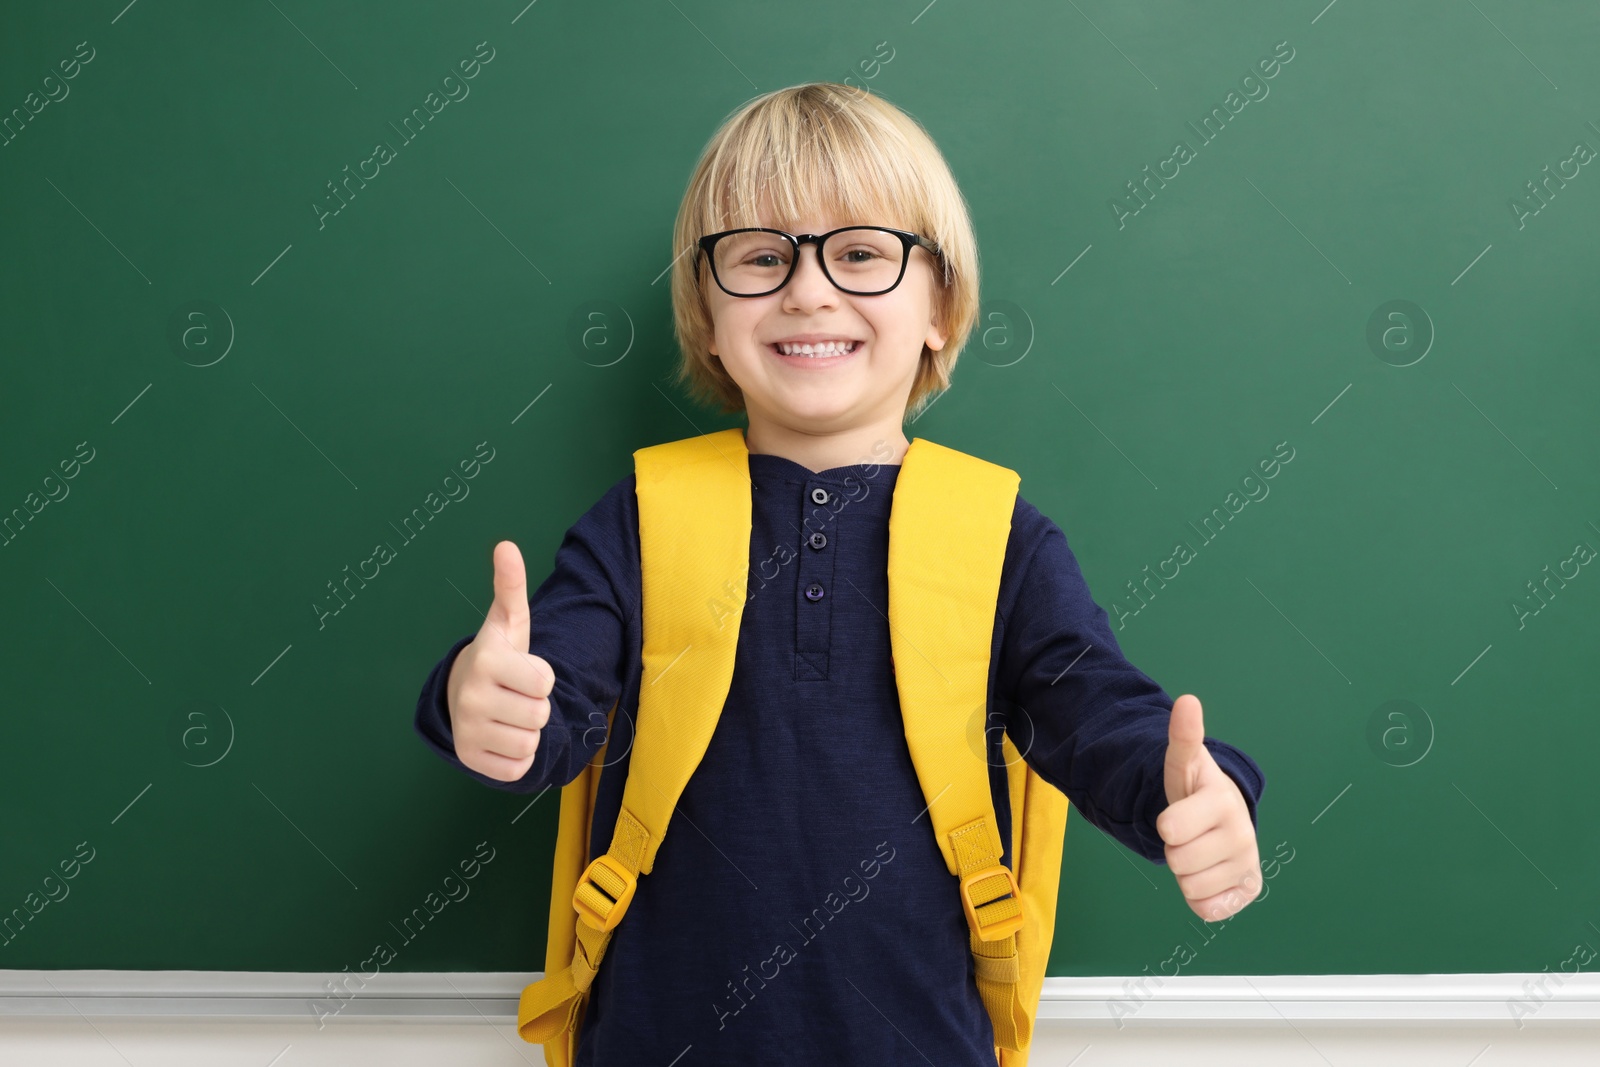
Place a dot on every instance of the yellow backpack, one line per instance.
(944, 580)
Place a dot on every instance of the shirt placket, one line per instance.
(815, 589)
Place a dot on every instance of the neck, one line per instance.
(865, 445)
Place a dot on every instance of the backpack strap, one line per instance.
(570, 858)
(1038, 831)
(949, 524)
(694, 539)
(948, 528)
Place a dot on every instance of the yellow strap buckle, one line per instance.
(1001, 903)
(603, 892)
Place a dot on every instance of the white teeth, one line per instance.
(826, 348)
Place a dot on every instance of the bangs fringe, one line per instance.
(823, 150)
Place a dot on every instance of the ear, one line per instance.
(936, 335)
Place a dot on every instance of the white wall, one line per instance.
(123, 1042)
(266, 1019)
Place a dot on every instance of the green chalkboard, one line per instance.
(1359, 236)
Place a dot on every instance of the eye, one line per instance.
(762, 257)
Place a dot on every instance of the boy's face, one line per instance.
(826, 395)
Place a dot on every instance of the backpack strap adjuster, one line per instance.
(603, 893)
(998, 913)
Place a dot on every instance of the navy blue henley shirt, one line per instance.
(800, 910)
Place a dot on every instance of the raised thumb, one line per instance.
(508, 615)
(1186, 732)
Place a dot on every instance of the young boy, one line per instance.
(728, 953)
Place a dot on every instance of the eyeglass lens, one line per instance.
(863, 259)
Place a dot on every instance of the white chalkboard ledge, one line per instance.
(1516, 999)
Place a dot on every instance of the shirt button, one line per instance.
(819, 540)
(813, 592)
(819, 495)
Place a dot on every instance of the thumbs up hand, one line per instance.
(508, 613)
(498, 691)
(1210, 841)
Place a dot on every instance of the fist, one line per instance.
(1210, 841)
(499, 692)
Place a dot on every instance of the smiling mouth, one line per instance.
(831, 350)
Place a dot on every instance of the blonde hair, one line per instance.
(822, 148)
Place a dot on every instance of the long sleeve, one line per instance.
(1088, 721)
(579, 620)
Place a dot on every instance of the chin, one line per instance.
(810, 413)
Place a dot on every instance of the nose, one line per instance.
(809, 287)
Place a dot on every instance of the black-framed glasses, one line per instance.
(860, 260)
